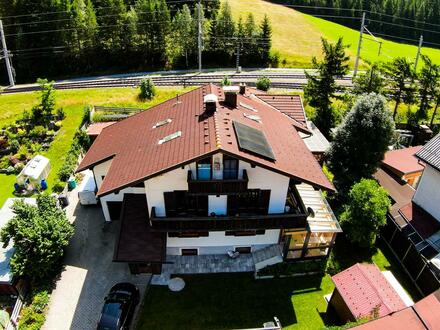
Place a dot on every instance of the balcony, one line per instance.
(218, 187)
(222, 223)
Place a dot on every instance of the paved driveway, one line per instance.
(89, 271)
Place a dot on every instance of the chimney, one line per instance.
(231, 95)
(242, 88)
(210, 101)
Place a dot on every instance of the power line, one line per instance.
(404, 26)
(97, 8)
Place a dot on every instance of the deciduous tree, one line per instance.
(361, 141)
(365, 212)
(40, 234)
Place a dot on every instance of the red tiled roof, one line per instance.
(424, 223)
(290, 105)
(425, 314)
(132, 143)
(403, 161)
(363, 288)
(96, 128)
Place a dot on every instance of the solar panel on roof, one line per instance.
(253, 140)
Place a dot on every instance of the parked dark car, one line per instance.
(119, 307)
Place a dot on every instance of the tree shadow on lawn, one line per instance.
(225, 301)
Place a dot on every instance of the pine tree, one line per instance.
(322, 88)
(251, 35)
(371, 81)
(224, 32)
(162, 29)
(265, 40)
(183, 35)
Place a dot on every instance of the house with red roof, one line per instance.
(404, 164)
(413, 223)
(362, 291)
(210, 172)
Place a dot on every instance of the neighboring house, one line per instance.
(363, 291)
(413, 227)
(404, 164)
(211, 171)
(423, 315)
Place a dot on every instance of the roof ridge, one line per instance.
(364, 267)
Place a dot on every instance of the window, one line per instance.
(230, 168)
(189, 252)
(161, 123)
(181, 203)
(204, 169)
(243, 249)
(189, 234)
(170, 137)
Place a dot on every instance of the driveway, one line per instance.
(89, 272)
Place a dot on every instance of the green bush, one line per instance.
(147, 89)
(14, 145)
(58, 186)
(38, 131)
(263, 83)
(40, 301)
(30, 319)
(225, 81)
(61, 114)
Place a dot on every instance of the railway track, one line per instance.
(278, 81)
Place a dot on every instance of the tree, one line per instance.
(365, 212)
(265, 40)
(221, 33)
(371, 81)
(147, 89)
(263, 83)
(428, 80)
(183, 34)
(321, 88)
(361, 141)
(400, 77)
(40, 234)
(47, 102)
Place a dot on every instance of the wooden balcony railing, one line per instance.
(221, 223)
(217, 186)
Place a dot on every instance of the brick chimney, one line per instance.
(231, 95)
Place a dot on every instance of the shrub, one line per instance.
(30, 319)
(225, 81)
(14, 145)
(365, 212)
(147, 89)
(3, 143)
(38, 131)
(61, 114)
(263, 83)
(58, 186)
(22, 153)
(40, 301)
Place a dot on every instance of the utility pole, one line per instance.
(6, 56)
(356, 63)
(238, 55)
(418, 52)
(200, 34)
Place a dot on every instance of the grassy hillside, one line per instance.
(296, 36)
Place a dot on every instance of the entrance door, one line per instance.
(114, 209)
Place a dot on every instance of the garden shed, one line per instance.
(36, 170)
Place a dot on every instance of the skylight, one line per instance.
(252, 117)
(170, 137)
(249, 107)
(163, 122)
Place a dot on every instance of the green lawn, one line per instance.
(296, 37)
(231, 301)
(73, 102)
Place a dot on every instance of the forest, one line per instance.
(399, 20)
(62, 38)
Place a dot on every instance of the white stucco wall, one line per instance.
(222, 242)
(260, 178)
(101, 170)
(427, 194)
(169, 181)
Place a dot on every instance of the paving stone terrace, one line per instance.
(208, 264)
